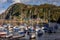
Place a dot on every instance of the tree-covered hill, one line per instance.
(18, 11)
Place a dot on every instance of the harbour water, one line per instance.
(45, 36)
(53, 36)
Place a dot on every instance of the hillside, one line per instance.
(18, 11)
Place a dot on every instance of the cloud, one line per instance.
(24, 1)
(30, 1)
(3, 1)
(16, 1)
(2, 10)
(21, 1)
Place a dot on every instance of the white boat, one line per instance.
(4, 33)
(32, 33)
(19, 32)
(39, 31)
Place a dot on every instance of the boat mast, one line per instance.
(3, 18)
(44, 15)
(49, 18)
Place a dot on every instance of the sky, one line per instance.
(4, 4)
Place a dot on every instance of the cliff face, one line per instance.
(18, 11)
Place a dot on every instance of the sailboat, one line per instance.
(39, 27)
(31, 29)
